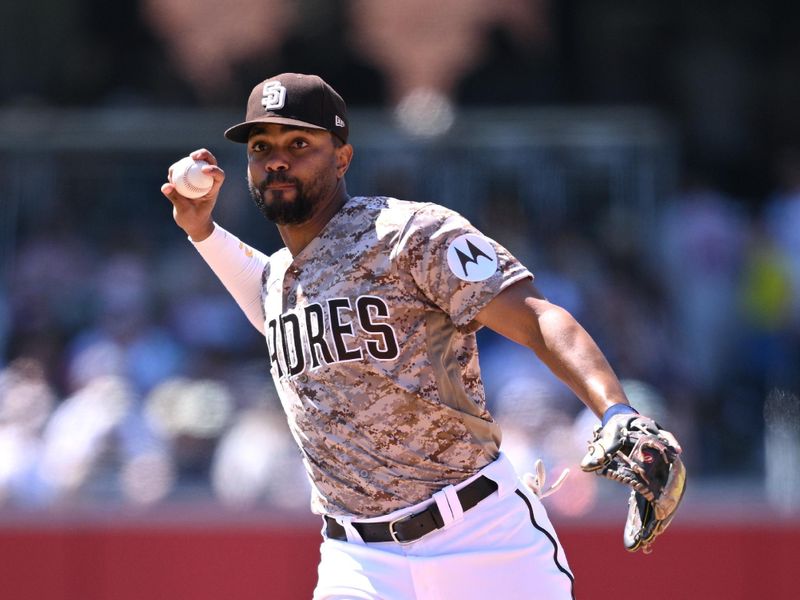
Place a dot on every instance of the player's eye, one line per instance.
(299, 143)
(258, 147)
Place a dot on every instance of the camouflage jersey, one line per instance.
(371, 337)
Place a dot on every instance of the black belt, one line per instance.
(412, 527)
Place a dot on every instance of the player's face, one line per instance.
(291, 171)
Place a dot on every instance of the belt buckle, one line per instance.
(393, 533)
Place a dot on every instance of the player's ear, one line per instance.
(344, 154)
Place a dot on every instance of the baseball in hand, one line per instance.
(189, 179)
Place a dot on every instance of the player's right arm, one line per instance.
(237, 266)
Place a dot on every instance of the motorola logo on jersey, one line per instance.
(472, 257)
(335, 331)
(274, 95)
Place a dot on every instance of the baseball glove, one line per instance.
(635, 451)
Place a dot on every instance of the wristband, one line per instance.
(617, 409)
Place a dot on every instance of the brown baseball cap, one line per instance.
(293, 99)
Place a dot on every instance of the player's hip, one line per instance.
(491, 509)
(503, 540)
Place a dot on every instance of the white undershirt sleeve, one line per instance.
(239, 268)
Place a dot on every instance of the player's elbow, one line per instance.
(552, 328)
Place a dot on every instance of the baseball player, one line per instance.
(369, 314)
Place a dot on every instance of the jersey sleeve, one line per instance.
(239, 268)
(455, 266)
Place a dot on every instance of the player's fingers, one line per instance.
(201, 154)
(218, 175)
(204, 154)
(168, 190)
(215, 172)
(178, 201)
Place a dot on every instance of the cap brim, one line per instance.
(241, 132)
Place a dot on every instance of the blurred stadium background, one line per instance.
(642, 158)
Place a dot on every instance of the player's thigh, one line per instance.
(349, 571)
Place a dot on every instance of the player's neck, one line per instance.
(298, 236)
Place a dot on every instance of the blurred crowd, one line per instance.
(127, 374)
(136, 379)
(131, 376)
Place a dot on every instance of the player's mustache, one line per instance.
(276, 177)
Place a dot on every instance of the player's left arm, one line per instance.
(628, 448)
(522, 314)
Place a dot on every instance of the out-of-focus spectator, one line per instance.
(190, 415)
(80, 435)
(126, 341)
(49, 282)
(258, 462)
(26, 401)
(703, 236)
(768, 350)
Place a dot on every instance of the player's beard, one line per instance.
(279, 209)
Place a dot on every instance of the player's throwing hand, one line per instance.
(193, 215)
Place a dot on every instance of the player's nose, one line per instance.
(277, 161)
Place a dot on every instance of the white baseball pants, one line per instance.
(504, 548)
